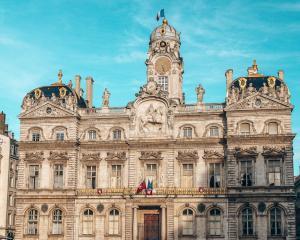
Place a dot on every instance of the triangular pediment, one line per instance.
(47, 110)
(258, 101)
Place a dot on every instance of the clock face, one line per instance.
(162, 65)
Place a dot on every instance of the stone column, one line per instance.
(89, 91)
(135, 225)
(77, 84)
(163, 223)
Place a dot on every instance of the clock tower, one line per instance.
(164, 64)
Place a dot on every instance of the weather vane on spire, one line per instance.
(160, 14)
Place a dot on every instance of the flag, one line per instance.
(160, 14)
(149, 189)
(141, 187)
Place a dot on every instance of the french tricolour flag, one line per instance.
(160, 14)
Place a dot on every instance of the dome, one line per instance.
(57, 90)
(257, 82)
(165, 31)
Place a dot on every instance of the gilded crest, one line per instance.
(37, 93)
(62, 92)
(242, 83)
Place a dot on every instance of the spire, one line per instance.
(253, 70)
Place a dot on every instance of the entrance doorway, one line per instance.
(151, 227)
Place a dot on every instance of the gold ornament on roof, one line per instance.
(271, 82)
(60, 75)
(242, 83)
(62, 92)
(37, 93)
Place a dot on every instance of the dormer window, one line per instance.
(92, 135)
(60, 136)
(214, 131)
(163, 82)
(273, 128)
(187, 132)
(36, 137)
(245, 128)
(117, 134)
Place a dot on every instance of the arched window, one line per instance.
(57, 222)
(273, 128)
(245, 128)
(114, 222)
(187, 132)
(214, 222)
(117, 134)
(187, 222)
(92, 134)
(87, 222)
(35, 134)
(214, 131)
(276, 221)
(32, 223)
(247, 221)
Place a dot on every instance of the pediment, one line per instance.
(47, 110)
(116, 156)
(211, 154)
(58, 156)
(258, 101)
(150, 156)
(187, 156)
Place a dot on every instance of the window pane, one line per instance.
(33, 176)
(214, 131)
(246, 173)
(91, 177)
(187, 132)
(214, 175)
(163, 82)
(273, 128)
(245, 128)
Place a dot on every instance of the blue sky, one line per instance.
(109, 40)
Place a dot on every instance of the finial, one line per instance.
(165, 21)
(60, 74)
(254, 64)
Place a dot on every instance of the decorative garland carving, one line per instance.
(116, 156)
(36, 156)
(187, 156)
(273, 151)
(212, 154)
(58, 156)
(251, 151)
(150, 156)
(151, 89)
(91, 157)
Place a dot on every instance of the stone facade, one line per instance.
(8, 178)
(158, 168)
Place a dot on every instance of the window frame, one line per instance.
(190, 220)
(36, 177)
(220, 174)
(92, 135)
(113, 222)
(213, 220)
(242, 161)
(32, 222)
(117, 134)
(57, 220)
(187, 132)
(268, 172)
(214, 131)
(91, 177)
(246, 214)
(282, 221)
(119, 182)
(55, 186)
(163, 82)
(89, 220)
(245, 133)
(182, 175)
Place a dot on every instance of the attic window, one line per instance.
(245, 128)
(273, 128)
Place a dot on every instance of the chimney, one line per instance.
(77, 84)
(89, 91)
(281, 75)
(228, 75)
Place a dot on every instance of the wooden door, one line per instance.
(151, 227)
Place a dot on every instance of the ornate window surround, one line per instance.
(212, 156)
(35, 129)
(110, 134)
(187, 157)
(254, 219)
(180, 132)
(113, 207)
(238, 126)
(207, 130)
(87, 207)
(115, 158)
(85, 135)
(59, 129)
(266, 126)
(50, 217)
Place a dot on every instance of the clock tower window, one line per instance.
(163, 82)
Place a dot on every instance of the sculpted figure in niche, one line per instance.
(28, 102)
(105, 98)
(152, 121)
(43, 98)
(233, 96)
(200, 91)
(251, 89)
(281, 92)
(69, 102)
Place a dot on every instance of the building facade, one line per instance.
(8, 178)
(297, 190)
(211, 171)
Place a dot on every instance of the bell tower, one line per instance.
(164, 64)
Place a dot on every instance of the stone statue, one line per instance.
(281, 92)
(152, 121)
(105, 98)
(69, 102)
(265, 89)
(250, 89)
(233, 96)
(70, 84)
(200, 91)
(43, 98)
(54, 98)
(28, 102)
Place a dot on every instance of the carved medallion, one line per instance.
(261, 207)
(100, 207)
(44, 208)
(201, 207)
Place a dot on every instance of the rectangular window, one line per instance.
(214, 175)
(214, 132)
(245, 128)
(92, 135)
(116, 176)
(247, 173)
(58, 176)
(151, 174)
(117, 134)
(91, 177)
(163, 82)
(187, 132)
(187, 175)
(33, 176)
(60, 136)
(274, 172)
(36, 137)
